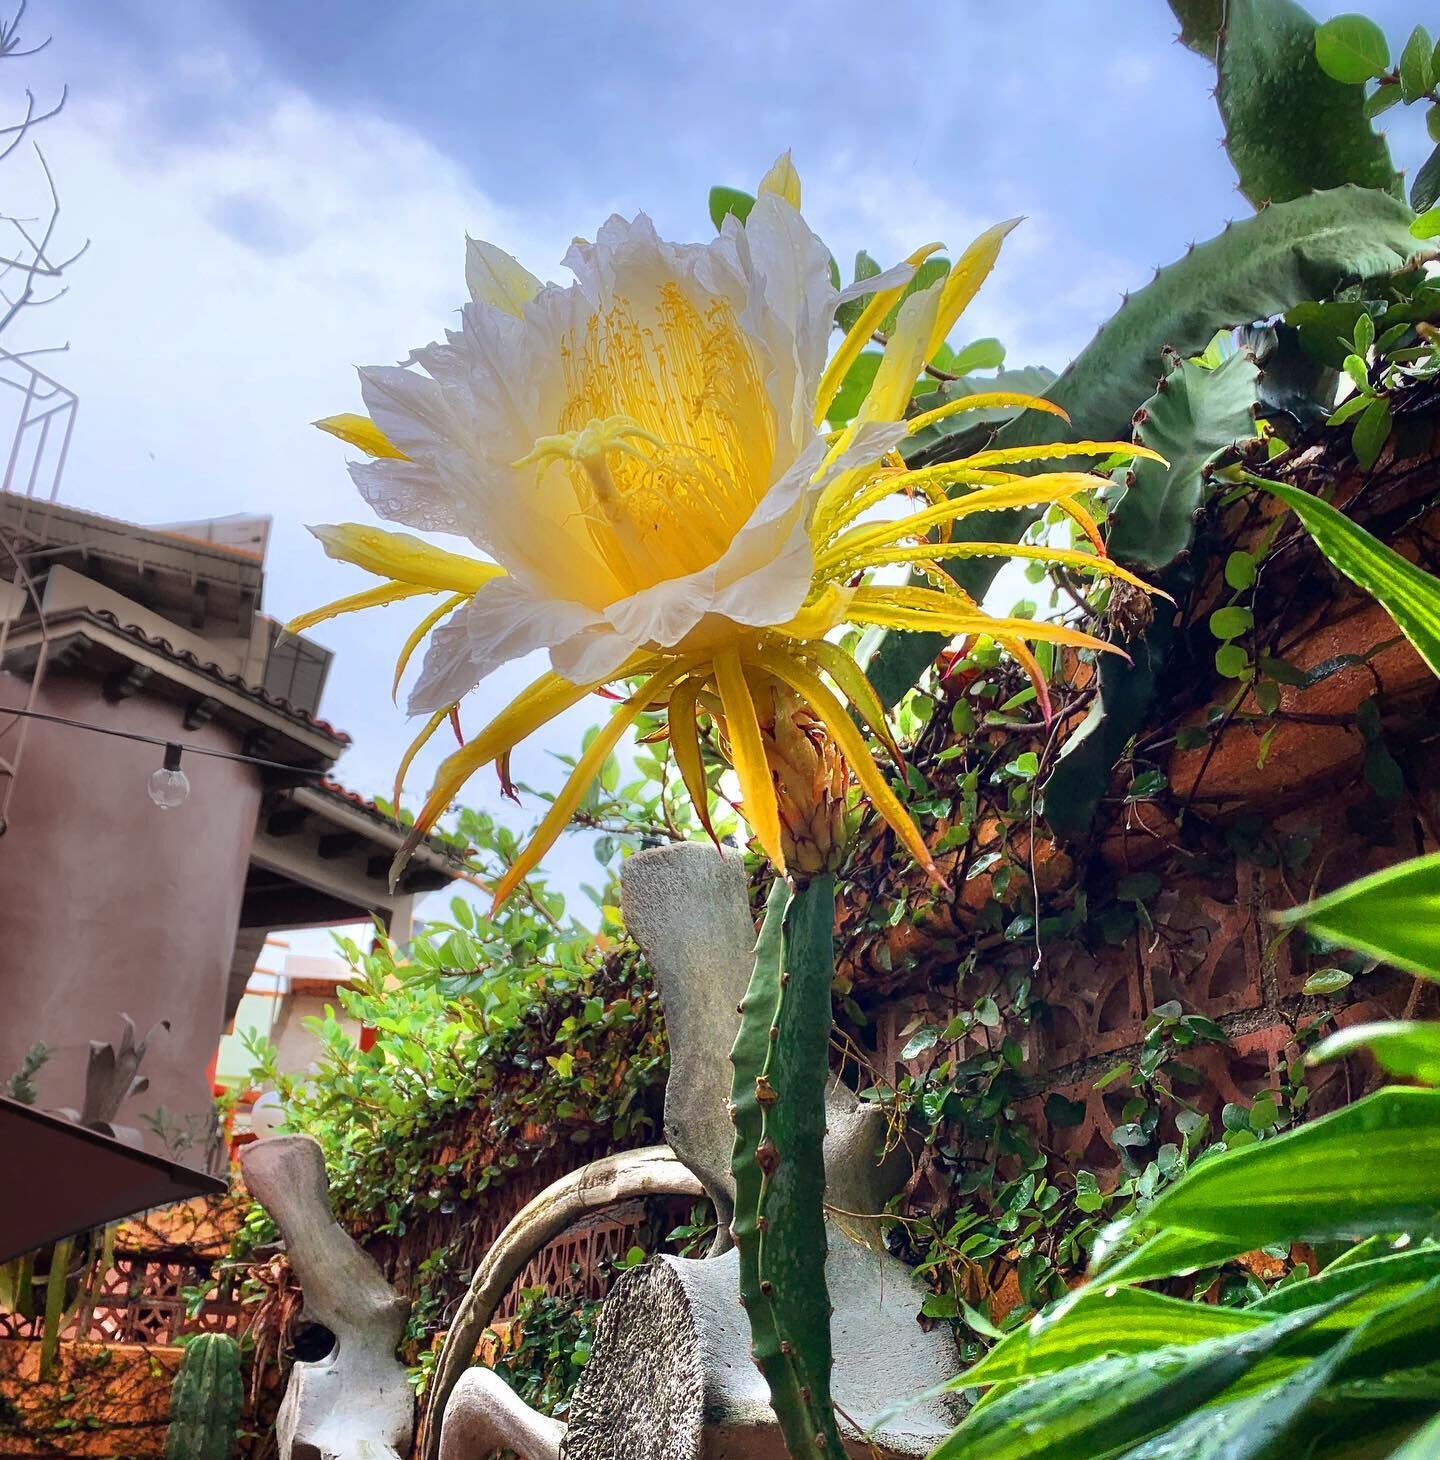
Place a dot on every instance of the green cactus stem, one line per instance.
(781, 1064)
(205, 1400)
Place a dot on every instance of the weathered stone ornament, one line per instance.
(670, 1376)
(356, 1403)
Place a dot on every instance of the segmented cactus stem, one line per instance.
(781, 1065)
(205, 1400)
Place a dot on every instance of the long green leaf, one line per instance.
(1257, 1426)
(55, 1283)
(1409, 1048)
(1393, 915)
(1365, 1169)
(1392, 1275)
(1410, 595)
(1097, 1408)
(1100, 1321)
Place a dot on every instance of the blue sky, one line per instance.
(278, 190)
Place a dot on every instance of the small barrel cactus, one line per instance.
(205, 1400)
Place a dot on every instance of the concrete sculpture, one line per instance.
(356, 1403)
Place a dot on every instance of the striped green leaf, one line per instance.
(1406, 1047)
(1408, 594)
(1282, 1418)
(1424, 1444)
(1099, 1407)
(1101, 1321)
(1392, 915)
(1394, 1274)
(1366, 1169)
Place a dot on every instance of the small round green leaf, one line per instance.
(1416, 77)
(1232, 661)
(1328, 981)
(1240, 569)
(1352, 48)
(1231, 622)
(1427, 225)
(729, 200)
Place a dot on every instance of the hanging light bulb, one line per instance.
(169, 786)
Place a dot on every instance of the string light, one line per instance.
(169, 785)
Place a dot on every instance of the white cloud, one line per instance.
(1048, 291)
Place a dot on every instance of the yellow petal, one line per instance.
(685, 742)
(903, 360)
(557, 818)
(857, 544)
(783, 180)
(816, 619)
(1084, 521)
(869, 321)
(404, 558)
(361, 431)
(808, 685)
(1020, 652)
(880, 606)
(1068, 557)
(535, 706)
(497, 278)
(986, 400)
(418, 633)
(376, 597)
(747, 755)
(858, 690)
(1010, 455)
(414, 748)
(856, 493)
(962, 284)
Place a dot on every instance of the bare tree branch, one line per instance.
(27, 259)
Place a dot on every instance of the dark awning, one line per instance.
(58, 1178)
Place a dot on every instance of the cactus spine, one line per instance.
(205, 1400)
(781, 1064)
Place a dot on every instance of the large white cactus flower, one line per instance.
(642, 458)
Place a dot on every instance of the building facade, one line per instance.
(111, 905)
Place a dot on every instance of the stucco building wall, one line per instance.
(109, 905)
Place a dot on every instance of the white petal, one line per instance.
(494, 277)
(408, 492)
(503, 621)
(774, 592)
(891, 278)
(791, 307)
(592, 655)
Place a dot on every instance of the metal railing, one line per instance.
(44, 412)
